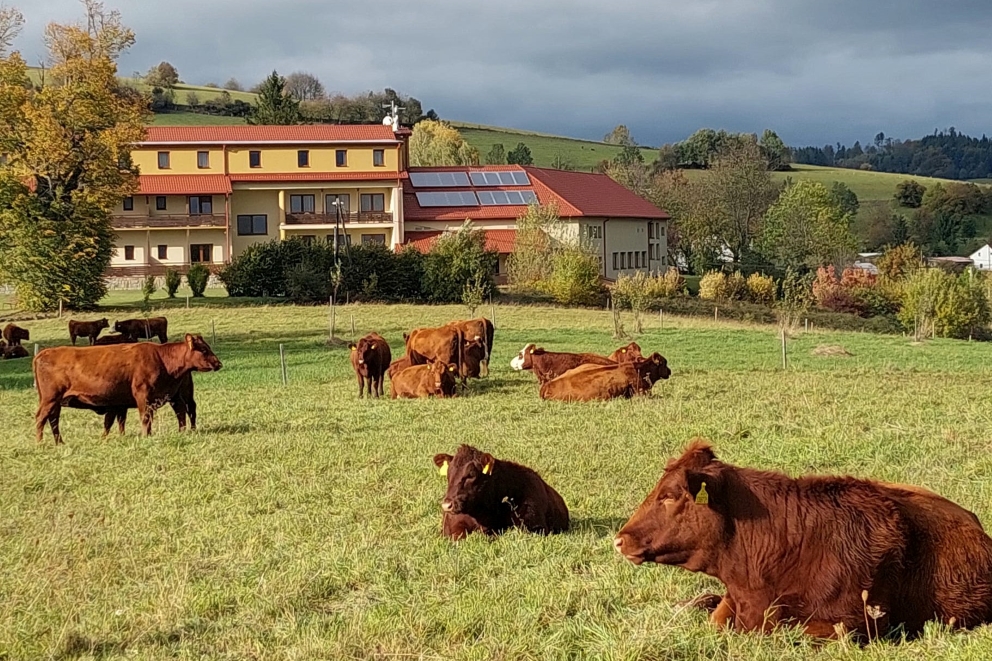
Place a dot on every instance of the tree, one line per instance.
(11, 22)
(559, 162)
(910, 193)
(192, 100)
(807, 227)
(68, 163)
(233, 85)
(619, 136)
(692, 235)
(496, 155)
(775, 151)
(162, 75)
(438, 143)
(304, 86)
(627, 169)
(845, 198)
(520, 155)
(458, 259)
(274, 105)
(531, 262)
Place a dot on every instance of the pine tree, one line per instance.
(274, 104)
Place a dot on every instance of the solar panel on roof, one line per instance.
(506, 198)
(512, 178)
(438, 179)
(448, 199)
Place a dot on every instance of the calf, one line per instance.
(14, 335)
(587, 383)
(183, 404)
(627, 354)
(13, 351)
(820, 551)
(144, 329)
(398, 366)
(548, 365)
(118, 338)
(435, 379)
(107, 379)
(497, 495)
(88, 329)
(442, 344)
(370, 359)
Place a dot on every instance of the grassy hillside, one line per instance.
(300, 523)
(182, 118)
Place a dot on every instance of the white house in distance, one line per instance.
(982, 258)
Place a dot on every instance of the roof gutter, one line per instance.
(166, 143)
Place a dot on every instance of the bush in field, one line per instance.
(736, 287)
(198, 276)
(713, 286)
(641, 292)
(308, 282)
(761, 289)
(940, 304)
(172, 282)
(458, 258)
(856, 291)
(900, 261)
(574, 277)
(669, 285)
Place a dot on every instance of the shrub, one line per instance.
(574, 277)
(172, 282)
(937, 303)
(761, 289)
(900, 261)
(669, 285)
(635, 293)
(308, 282)
(457, 259)
(736, 287)
(198, 276)
(148, 287)
(713, 286)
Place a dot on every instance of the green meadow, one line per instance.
(300, 522)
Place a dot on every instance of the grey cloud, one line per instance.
(815, 71)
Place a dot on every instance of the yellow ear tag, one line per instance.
(487, 469)
(451, 369)
(354, 349)
(702, 498)
(373, 346)
(532, 351)
(623, 351)
(443, 470)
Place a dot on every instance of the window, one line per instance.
(594, 231)
(203, 159)
(254, 159)
(630, 259)
(128, 204)
(301, 203)
(303, 158)
(373, 239)
(201, 253)
(256, 225)
(644, 258)
(615, 262)
(308, 239)
(201, 205)
(163, 251)
(623, 260)
(343, 239)
(661, 230)
(378, 157)
(330, 201)
(129, 253)
(163, 160)
(651, 230)
(161, 203)
(341, 157)
(373, 202)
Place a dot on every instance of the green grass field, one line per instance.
(183, 118)
(302, 523)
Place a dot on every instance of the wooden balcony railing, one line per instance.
(171, 221)
(348, 218)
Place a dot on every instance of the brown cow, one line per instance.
(804, 550)
(587, 383)
(106, 379)
(118, 338)
(548, 365)
(13, 351)
(435, 379)
(626, 354)
(89, 329)
(370, 360)
(475, 365)
(398, 366)
(497, 495)
(442, 344)
(14, 335)
(144, 329)
(183, 404)
(458, 526)
(479, 330)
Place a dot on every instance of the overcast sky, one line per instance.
(815, 71)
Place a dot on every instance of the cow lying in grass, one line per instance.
(435, 379)
(587, 383)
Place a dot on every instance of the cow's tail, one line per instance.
(460, 339)
(485, 345)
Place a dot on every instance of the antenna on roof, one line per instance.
(392, 118)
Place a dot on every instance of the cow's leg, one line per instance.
(72, 336)
(361, 386)
(40, 418)
(53, 420)
(370, 388)
(191, 411)
(108, 422)
(146, 411)
(121, 420)
(179, 406)
(723, 613)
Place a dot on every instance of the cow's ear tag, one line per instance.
(702, 498)
(443, 470)
(487, 469)
(451, 369)
(373, 346)
(532, 351)
(623, 351)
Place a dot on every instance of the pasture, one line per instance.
(302, 523)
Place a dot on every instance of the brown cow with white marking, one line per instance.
(587, 383)
(548, 365)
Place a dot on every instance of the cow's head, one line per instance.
(362, 352)
(627, 354)
(474, 354)
(103, 323)
(117, 327)
(652, 369)
(682, 521)
(443, 376)
(524, 359)
(201, 356)
(470, 479)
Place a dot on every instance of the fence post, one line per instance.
(332, 319)
(213, 332)
(661, 318)
(784, 359)
(187, 301)
(716, 313)
(353, 327)
(494, 314)
(282, 361)
(34, 383)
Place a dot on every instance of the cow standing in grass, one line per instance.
(14, 335)
(183, 404)
(370, 358)
(87, 329)
(144, 329)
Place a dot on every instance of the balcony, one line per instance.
(168, 222)
(361, 218)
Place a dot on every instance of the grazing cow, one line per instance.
(548, 365)
(370, 360)
(183, 404)
(12, 351)
(479, 330)
(106, 379)
(118, 338)
(587, 383)
(818, 551)
(14, 335)
(497, 495)
(442, 344)
(398, 366)
(144, 329)
(435, 379)
(627, 354)
(89, 329)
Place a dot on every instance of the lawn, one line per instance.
(301, 523)
(183, 118)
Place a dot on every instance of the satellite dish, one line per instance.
(387, 121)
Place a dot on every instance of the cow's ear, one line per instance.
(704, 488)
(189, 341)
(442, 461)
(487, 464)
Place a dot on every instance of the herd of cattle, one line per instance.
(831, 554)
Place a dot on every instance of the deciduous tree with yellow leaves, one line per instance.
(437, 143)
(66, 161)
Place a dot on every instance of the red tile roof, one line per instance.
(319, 176)
(500, 241)
(183, 184)
(262, 134)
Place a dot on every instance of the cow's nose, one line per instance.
(618, 544)
(446, 506)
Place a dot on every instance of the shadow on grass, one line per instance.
(602, 526)
(77, 646)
